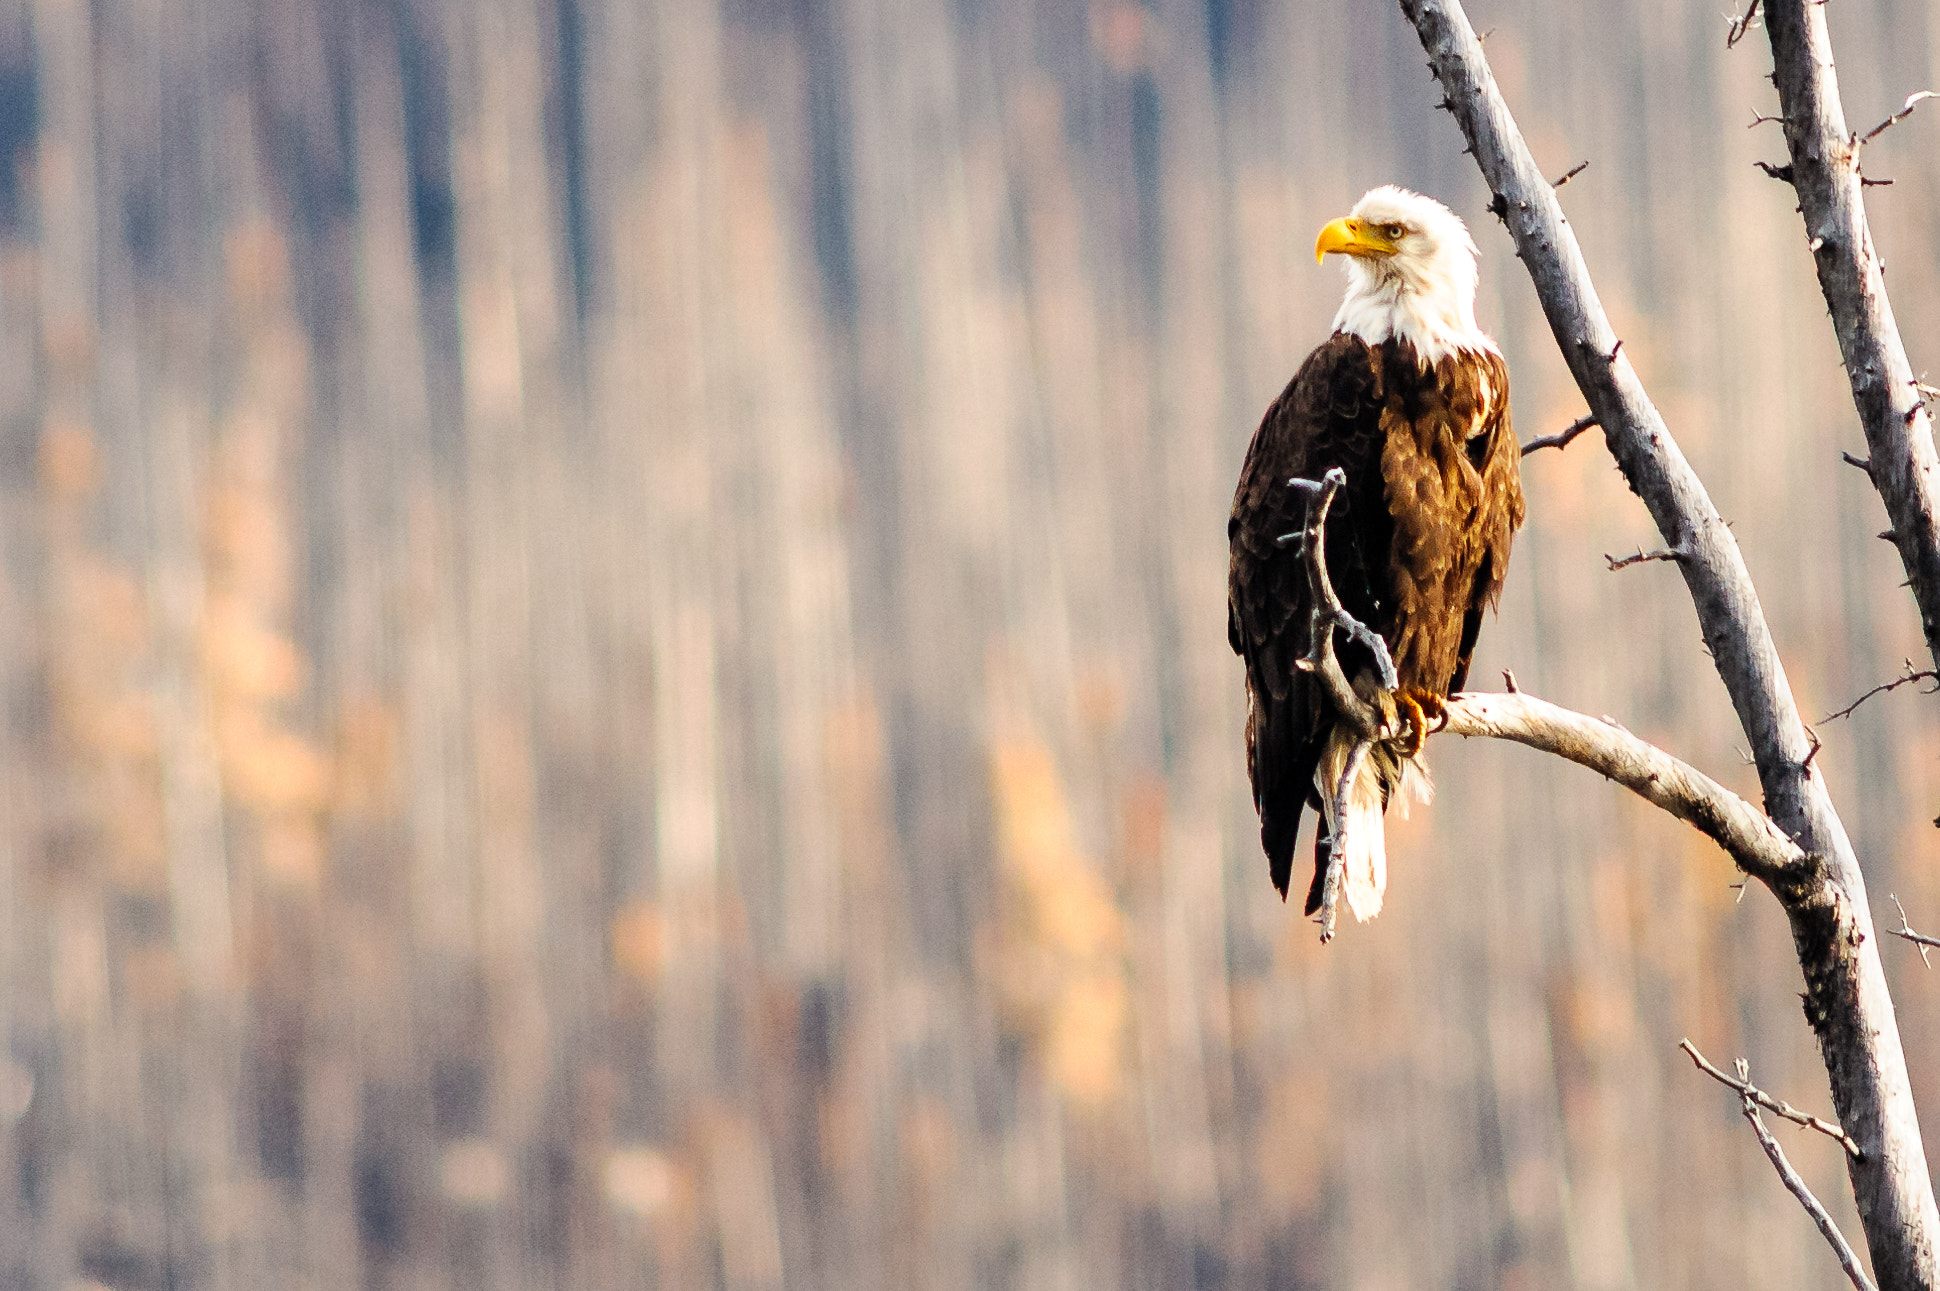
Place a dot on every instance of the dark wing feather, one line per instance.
(1452, 472)
(1328, 416)
(1498, 517)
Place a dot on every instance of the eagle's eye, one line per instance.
(1396, 232)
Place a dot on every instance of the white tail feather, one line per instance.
(1364, 867)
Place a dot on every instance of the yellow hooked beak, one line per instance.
(1352, 237)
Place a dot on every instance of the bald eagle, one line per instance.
(1410, 399)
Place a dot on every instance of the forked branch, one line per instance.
(1742, 1083)
(1370, 721)
(1750, 1099)
(1905, 933)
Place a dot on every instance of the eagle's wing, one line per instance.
(1328, 416)
(1454, 494)
(1497, 519)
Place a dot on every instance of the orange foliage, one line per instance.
(1063, 943)
(637, 939)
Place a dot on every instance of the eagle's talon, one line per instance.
(1414, 724)
(1420, 713)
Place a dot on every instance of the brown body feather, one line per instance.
(1417, 546)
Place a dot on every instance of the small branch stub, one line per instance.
(1562, 438)
(1677, 553)
(1570, 174)
(1328, 613)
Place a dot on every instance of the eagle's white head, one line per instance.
(1411, 273)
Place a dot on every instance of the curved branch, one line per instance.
(1745, 833)
(1825, 173)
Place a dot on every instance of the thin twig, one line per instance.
(1911, 674)
(1796, 1186)
(1759, 118)
(1905, 931)
(1663, 553)
(1777, 1106)
(1863, 463)
(1906, 110)
(1570, 174)
(1562, 438)
(1337, 848)
(1741, 25)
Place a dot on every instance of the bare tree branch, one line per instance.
(1571, 173)
(1741, 25)
(1751, 840)
(1743, 1085)
(1330, 615)
(1825, 172)
(1911, 674)
(1796, 1186)
(1337, 847)
(1369, 721)
(1847, 1000)
(1905, 931)
(1662, 553)
(1912, 101)
(1562, 438)
(1751, 1098)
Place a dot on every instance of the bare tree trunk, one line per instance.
(1825, 171)
(1846, 998)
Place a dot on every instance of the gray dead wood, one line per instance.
(1846, 999)
(1796, 1186)
(1369, 721)
(1751, 840)
(1825, 172)
(1742, 1083)
(1750, 1099)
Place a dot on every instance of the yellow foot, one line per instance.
(1422, 713)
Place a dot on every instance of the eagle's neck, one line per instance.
(1436, 317)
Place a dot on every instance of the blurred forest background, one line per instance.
(613, 659)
